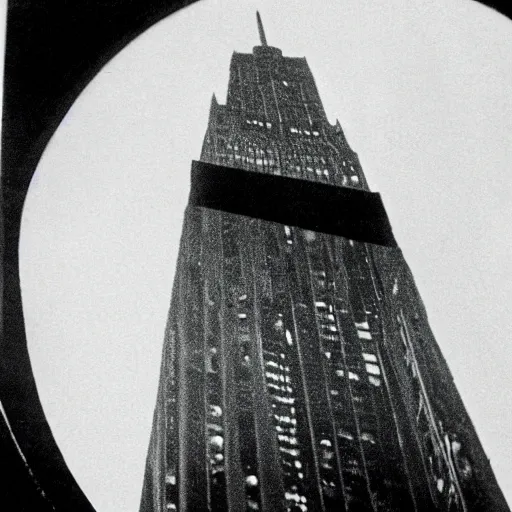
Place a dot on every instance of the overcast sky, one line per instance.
(422, 90)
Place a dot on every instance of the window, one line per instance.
(253, 505)
(372, 369)
(372, 358)
(288, 439)
(251, 481)
(284, 400)
(374, 381)
(310, 236)
(364, 335)
(214, 427)
(217, 442)
(345, 435)
(366, 436)
(215, 411)
(290, 451)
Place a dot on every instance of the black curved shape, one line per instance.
(348, 212)
(53, 50)
(502, 7)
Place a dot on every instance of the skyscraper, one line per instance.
(299, 372)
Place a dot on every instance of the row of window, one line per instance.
(269, 158)
(254, 122)
(278, 375)
(304, 132)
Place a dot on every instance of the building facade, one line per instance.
(299, 372)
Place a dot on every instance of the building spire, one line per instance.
(261, 30)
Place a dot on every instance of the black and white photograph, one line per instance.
(256, 256)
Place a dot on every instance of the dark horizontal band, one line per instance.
(348, 212)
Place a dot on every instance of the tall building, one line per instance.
(299, 372)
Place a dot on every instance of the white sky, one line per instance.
(422, 90)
